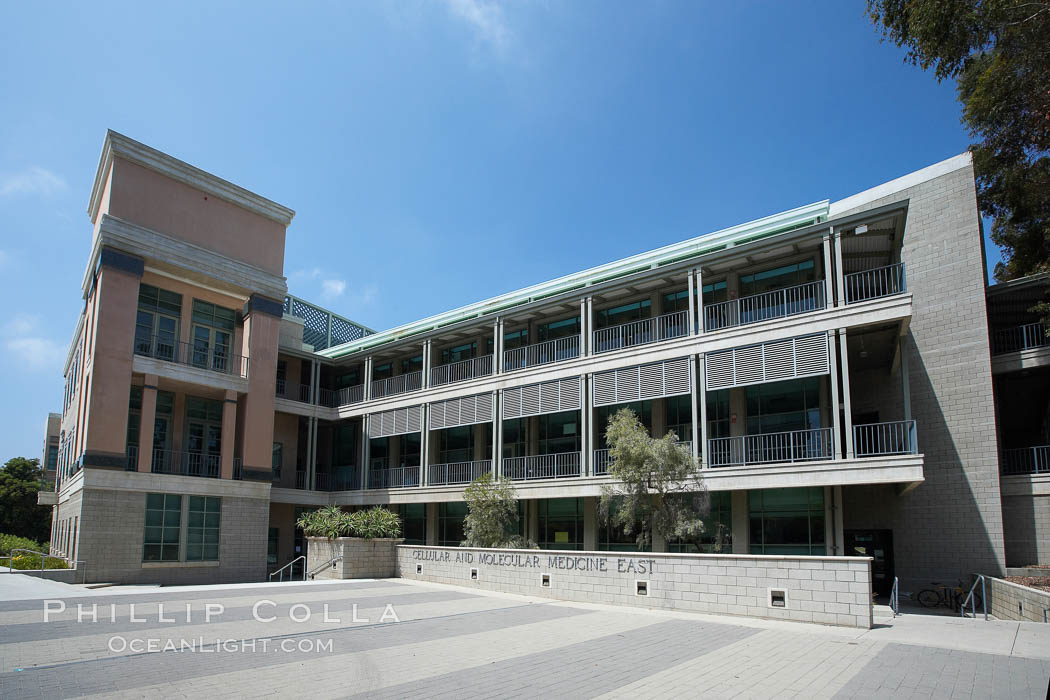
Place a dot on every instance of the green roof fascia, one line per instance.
(675, 252)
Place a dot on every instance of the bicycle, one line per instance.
(948, 596)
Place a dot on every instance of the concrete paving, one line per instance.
(396, 638)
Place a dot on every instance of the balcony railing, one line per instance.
(457, 472)
(186, 463)
(214, 358)
(133, 458)
(875, 283)
(543, 353)
(293, 392)
(393, 477)
(553, 466)
(461, 371)
(350, 395)
(649, 330)
(400, 384)
(1026, 337)
(768, 448)
(300, 479)
(325, 481)
(602, 458)
(238, 471)
(779, 303)
(1026, 460)
(878, 439)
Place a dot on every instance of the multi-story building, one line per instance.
(829, 367)
(49, 458)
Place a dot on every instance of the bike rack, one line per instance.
(973, 603)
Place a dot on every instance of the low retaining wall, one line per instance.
(361, 558)
(828, 590)
(1012, 601)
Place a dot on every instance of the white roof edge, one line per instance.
(930, 172)
(796, 217)
(117, 144)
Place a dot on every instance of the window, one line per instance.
(212, 335)
(459, 353)
(715, 293)
(349, 378)
(559, 432)
(561, 523)
(516, 339)
(514, 437)
(272, 543)
(202, 528)
(626, 313)
(787, 521)
(679, 411)
(718, 529)
(277, 460)
(675, 301)
(413, 522)
(777, 278)
(383, 371)
(611, 538)
(456, 444)
(52, 458)
(412, 364)
(558, 329)
(160, 541)
(203, 436)
(410, 449)
(344, 445)
(783, 406)
(157, 322)
(450, 523)
(718, 414)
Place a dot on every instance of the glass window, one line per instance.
(777, 278)
(134, 416)
(619, 315)
(514, 437)
(456, 444)
(718, 414)
(412, 364)
(160, 540)
(413, 522)
(202, 528)
(679, 411)
(675, 301)
(561, 523)
(157, 322)
(558, 329)
(611, 538)
(787, 521)
(272, 542)
(277, 460)
(383, 371)
(459, 353)
(344, 445)
(783, 406)
(203, 409)
(715, 293)
(516, 339)
(559, 432)
(351, 377)
(207, 314)
(718, 529)
(450, 523)
(410, 449)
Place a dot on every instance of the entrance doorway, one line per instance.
(877, 544)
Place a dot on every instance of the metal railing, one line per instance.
(331, 562)
(238, 471)
(75, 563)
(1026, 337)
(648, 330)
(553, 466)
(768, 448)
(544, 353)
(215, 358)
(895, 601)
(602, 459)
(457, 472)
(393, 477)
(292, 392)
(779, 303)
(875, 283)
(973, 602)
(1026, 460)
(400, 384)
(300, 479)
(461, 371)
(132, 464)
(291, 569)
(879, 439)
(186, 463)
(350, 395)
(328, 481)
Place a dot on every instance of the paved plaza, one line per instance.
(399, 639)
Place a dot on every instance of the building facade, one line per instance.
(830, 367)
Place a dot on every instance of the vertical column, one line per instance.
(365, 447)
(310, 453)
(836, 424)
(829, 273)
(699, 409)
(432, 524)
(315, 382)
(229, 430)
(905, 383)
(147, 418)
(590, 523)
(262, 325)
(587, 458)
(847, 414)
(700, 300)
(690, 276)
(840, 281)
(497, 346)
(585, 327)
(497, 466)
(741, 523)
(494, 428)
(368, 378)
(424, 444)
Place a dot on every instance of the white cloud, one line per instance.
(364, 297)
(486, 18)
(24, 341)
(331, 289)
(306, 274)
(32, 181)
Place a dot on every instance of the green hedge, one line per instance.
(9, 542)
(23, 560)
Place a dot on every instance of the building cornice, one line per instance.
(119, 146)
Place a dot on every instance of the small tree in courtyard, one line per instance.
(658, 488)
(492, 514)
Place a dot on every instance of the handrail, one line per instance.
(1018, 338)
(973, 604)
(767, 448)
(186, 463)
(895, 603)
(875, 283)
(457, 472)
(399, 384)
(602, 459)
(209, 356)
(755, 308)
(292, 392)
(556, 465)
(889, 438)
(1026, 460)
(333, 560)
(544, 353)
(642, 332)
(289, 564)
(43, 557)
(461, 371)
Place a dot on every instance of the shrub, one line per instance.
(9, 542)
(32, 561)
(375, 523)
(330, 522)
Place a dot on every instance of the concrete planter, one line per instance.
(362, 558)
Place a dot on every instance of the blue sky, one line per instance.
(438, 152)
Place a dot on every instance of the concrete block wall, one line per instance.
(828, 590)
(952, 524)
(1011, 601)
(1026, 522)
(112, 528)
(376, 558)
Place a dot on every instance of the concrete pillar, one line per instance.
(229, 433)
(590, 523)
(262, 324)
(586, 439)
(833, 528)
(699, 300)
(480, 436)
(836, 424)
(532, 435)
(147, 418)
(659, 413)
(659, 543)
(700, 406)
(424, 444)
(847, 414)
(494, 428)
(905, 383)
(741, 523)
(737, 411)
(365, 447)
(585, 326)
(840, 281)
(368, 378)
(691, 279)
(432, 524)
(497, 346)
(829, 273)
